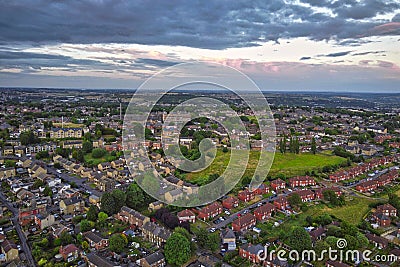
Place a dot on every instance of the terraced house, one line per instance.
(301, 181)
(72, 205)
(244, 222)
(210, 211)
(59, 133)
(132, 217)
(155, 233)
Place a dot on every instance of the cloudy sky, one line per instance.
(322, 45)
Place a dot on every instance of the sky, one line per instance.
(299, 45)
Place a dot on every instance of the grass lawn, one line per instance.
(353, 212)
(106, 158)
(297, 164)
(288, 164)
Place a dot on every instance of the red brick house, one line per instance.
(69, 252)
(278, 184)
(186, 216)
(261, 190)
(96, 240)
(387, 210)
(306, 195)
(377, 241)
(244, 222)
(281, 203)
(340, 176)
(367, 186)
(26, 216)
(381, 219)
(264, 212)
(246, 195)
(251, 252)
(230, 202)
(210, 211)
(301, 181)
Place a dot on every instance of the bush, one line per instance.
(98, 153)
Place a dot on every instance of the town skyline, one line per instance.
(282, 45)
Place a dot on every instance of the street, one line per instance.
(22, 237)
(234, 216)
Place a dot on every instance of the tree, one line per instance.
(321, 245)
(42, 155)
(38, 183)
(166, 217)
(66, 238)
(352, 242)
(47, 191)
(294, 200)
(213, 240)
(324, 219)
(78, 155)
(92, 213)
(107, 203)
(183, 232)
(208, 240)
(348, 228)
(177, 249)
(102, 216)
(134, 196)
(296, 145)
(362, 240)
(85, 225)
(98, 153)
(282, 145)
(10, 163)
(85, 245)
(87, 146)
(28, 138)
(330, 195)
(313, 146)
(299, 239)
(119, 199)
(118, 242)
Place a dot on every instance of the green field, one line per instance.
(93, 161)
(353, 211)
(288, 164)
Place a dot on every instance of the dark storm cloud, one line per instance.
(351, 9)
(396, 18)
(28, 60)
(305, 58)
(215, 25)
(337, 54)
(366, 9)
(368, 53)
(355, 42)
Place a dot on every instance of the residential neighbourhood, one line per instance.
(70, 198)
